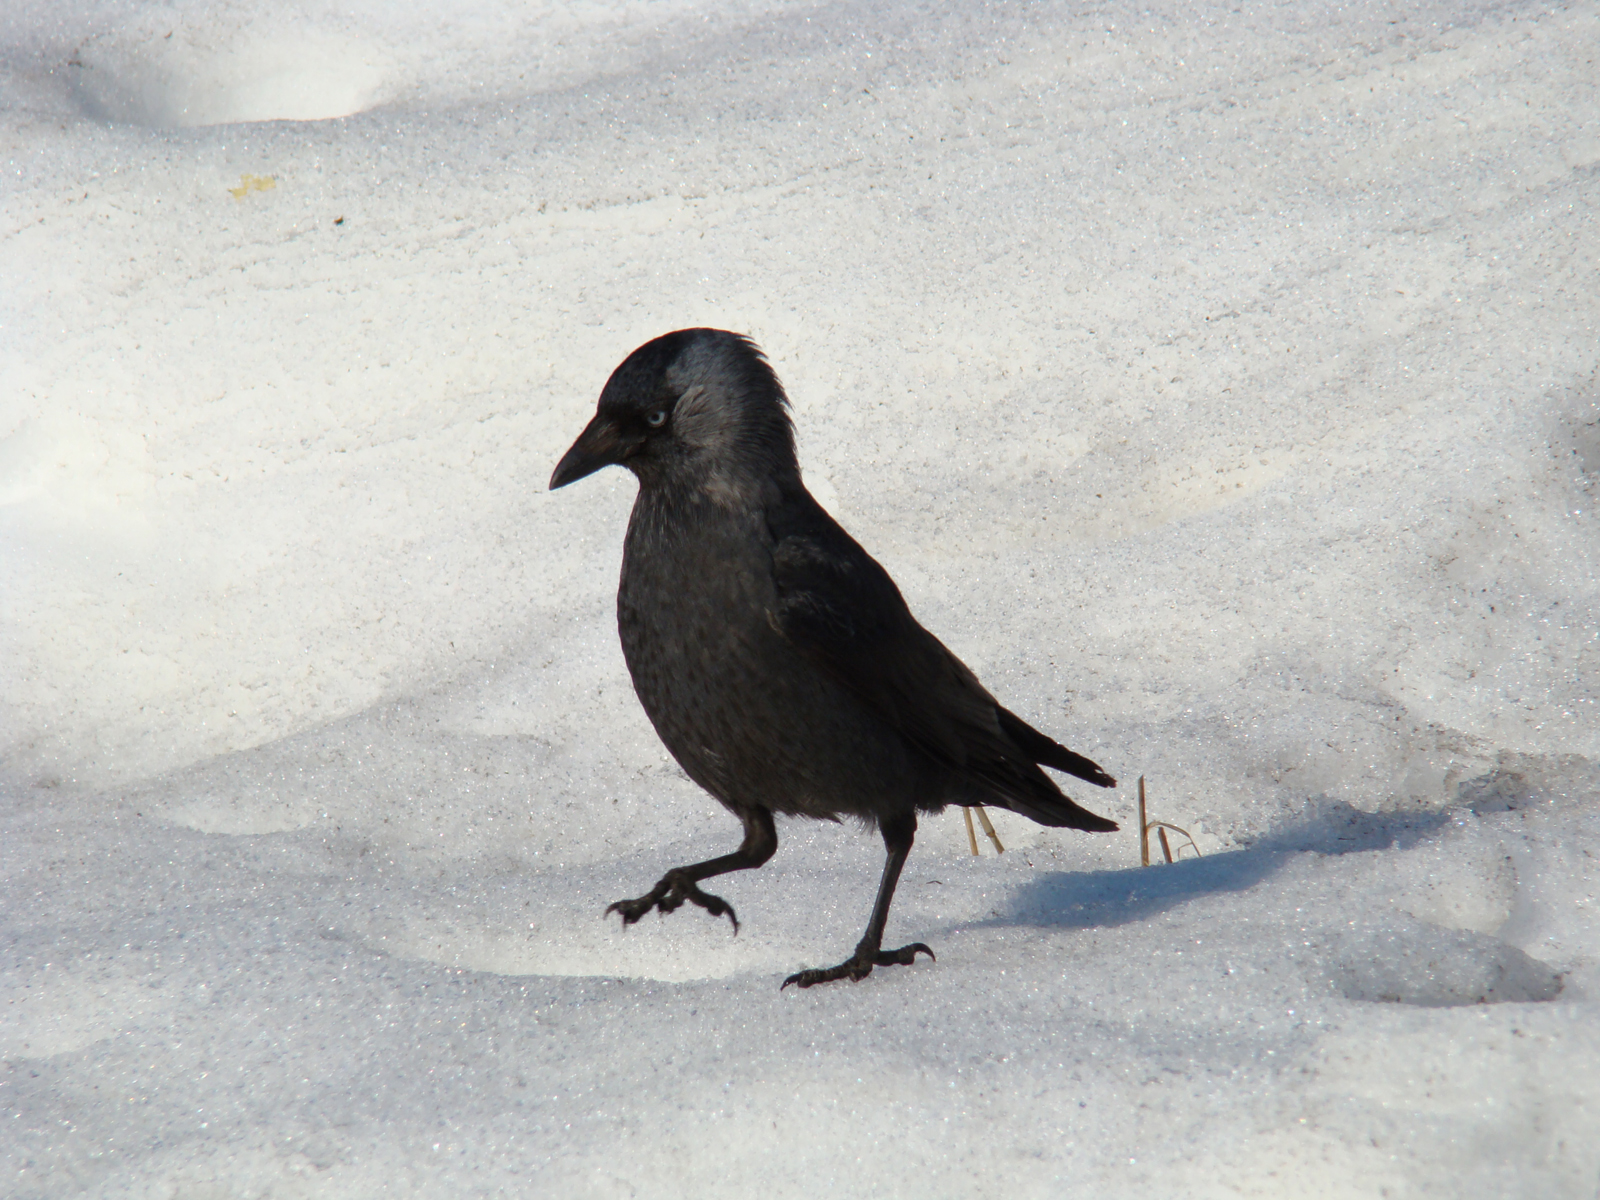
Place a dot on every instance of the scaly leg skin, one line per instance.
(679, 884)
(860, 964)
(675, 887)
(898, 833)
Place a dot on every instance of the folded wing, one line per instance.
(839, 607)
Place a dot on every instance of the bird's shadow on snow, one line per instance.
(1084, 899)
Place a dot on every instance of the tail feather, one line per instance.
(1049, 753)
(1060, 812)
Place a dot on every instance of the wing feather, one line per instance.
(838, 606)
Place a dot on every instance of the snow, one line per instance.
(1219, 382)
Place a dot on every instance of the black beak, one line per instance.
(599, 445)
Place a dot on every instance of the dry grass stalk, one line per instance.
(988, 828)
(1161, 827)
(983, 819)
(1144, 829)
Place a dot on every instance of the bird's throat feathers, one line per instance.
(728, 489)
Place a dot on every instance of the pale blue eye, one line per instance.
(656, 419)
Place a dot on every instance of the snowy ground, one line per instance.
(1219, 382)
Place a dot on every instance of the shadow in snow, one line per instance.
(1334, 827)
(1080, 899)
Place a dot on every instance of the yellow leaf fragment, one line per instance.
(252, 183)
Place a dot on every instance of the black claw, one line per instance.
(631, 910)
(727, 911)
(715, 905)
(858, 967)
(851, 970)
(904, 956)
(667, 896)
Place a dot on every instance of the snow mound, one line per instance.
(217, 74)
(1438, 968)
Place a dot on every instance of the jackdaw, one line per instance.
(775, 657)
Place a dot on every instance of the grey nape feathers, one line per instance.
(773, 654)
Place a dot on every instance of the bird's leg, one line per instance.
(677, 885)
(898, 833)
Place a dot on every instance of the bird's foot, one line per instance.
(674, 888)
(859, 965)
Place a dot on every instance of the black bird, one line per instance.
(775, 657)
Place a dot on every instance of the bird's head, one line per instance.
(698, 409)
